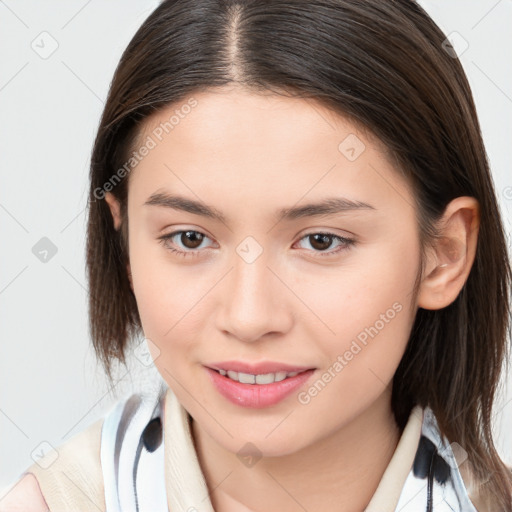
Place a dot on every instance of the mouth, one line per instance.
(261, 378)
(257, 390)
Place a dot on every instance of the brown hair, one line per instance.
(381, 63)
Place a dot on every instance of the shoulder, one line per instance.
(24, 496)
(72, 475)
(56, 479)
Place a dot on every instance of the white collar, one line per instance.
(170, 476)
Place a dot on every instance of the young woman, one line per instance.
(291, 202)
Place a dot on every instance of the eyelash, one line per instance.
(346, 243)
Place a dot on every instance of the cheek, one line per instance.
(363, 313)
(359, 362)
(169, 300)
(154, 287)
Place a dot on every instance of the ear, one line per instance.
(115, 210)
(450, 260)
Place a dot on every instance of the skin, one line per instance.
(24, 496)
(249, 155)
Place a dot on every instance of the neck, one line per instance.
(338, 472)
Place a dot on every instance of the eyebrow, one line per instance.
(328, 206)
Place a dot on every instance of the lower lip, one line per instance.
(257, 396)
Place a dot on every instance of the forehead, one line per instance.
(222, 114)
(230, 143)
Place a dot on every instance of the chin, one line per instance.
(257, 443)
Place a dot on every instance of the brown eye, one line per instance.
(321, 241)
(191, 239)
(184, 243)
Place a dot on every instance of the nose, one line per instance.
(254, 302)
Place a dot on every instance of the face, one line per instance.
(266, 277)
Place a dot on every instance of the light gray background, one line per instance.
(50, 384)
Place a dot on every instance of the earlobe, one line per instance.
(115, 209)
(450, 259)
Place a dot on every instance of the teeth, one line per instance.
(246, 378)
(279, 376)
(266, 378)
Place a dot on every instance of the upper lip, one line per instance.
(257, 368)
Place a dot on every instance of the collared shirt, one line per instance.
(141, 458)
